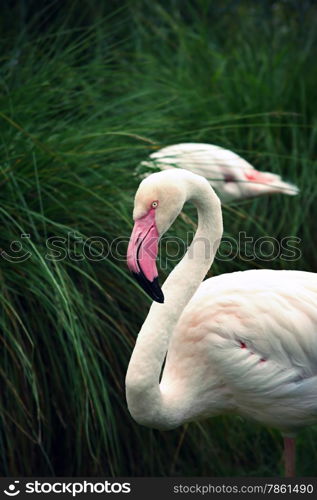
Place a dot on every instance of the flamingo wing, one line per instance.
(247, 343)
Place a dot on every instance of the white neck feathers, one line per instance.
(145, 401)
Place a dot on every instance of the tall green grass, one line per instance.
(88, 90)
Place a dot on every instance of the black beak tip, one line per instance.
(152, 288)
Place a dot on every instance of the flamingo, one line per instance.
(243, 342)
(232, 176)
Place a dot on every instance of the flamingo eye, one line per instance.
(154, 204)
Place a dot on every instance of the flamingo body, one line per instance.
(246, 343)
(232, 176)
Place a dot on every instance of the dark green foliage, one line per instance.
(88, 89)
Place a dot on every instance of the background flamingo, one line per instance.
(244, 342)
(232, 176)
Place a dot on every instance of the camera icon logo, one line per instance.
(12, 490)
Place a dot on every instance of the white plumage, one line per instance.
(244, 342)
(252, 337)
(232, 176)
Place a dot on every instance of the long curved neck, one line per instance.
(145, 400)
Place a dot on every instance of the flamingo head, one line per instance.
(158, 202)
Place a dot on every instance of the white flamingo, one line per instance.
(244, 342)
(232, 176)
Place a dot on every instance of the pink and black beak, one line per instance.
(142, 253)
